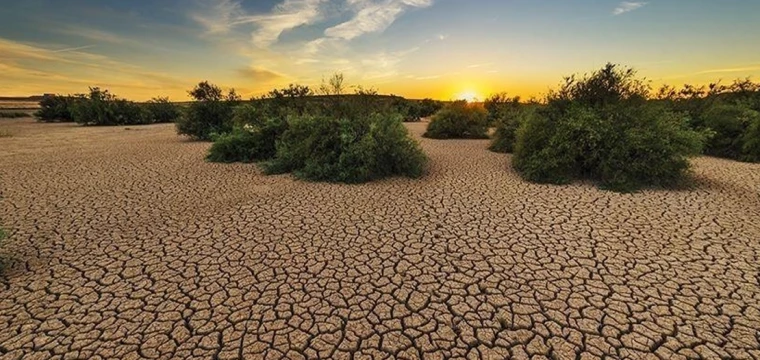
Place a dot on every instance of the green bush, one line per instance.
(210, 114)
(254, 138)
(101, 107)
(161, 110)
(617, 139)
(729, 124)
(56, 108)
(428, 107)
(459, 120)
(751, 146)
(506, 129)
(355, 150)
(500, 106)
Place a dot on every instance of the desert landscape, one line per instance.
(379, 179)
(129, 245)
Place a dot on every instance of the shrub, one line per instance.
(161, 110)
(459, 120)
(56, 108)
(428, 107)
(101, 107)
(210, 114)
(599, 128)
(751, 144)
(729, 124)
(347, 150)
(506, 129)
(500, 106)
(253, 138)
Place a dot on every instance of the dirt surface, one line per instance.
(129, 245)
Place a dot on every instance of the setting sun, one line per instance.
(469, 95)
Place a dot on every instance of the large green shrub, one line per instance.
(354, 150)
(751, 143)
(428, 107)
(459, 120)
(161, 110)
(55, 108)
(210, 114)
(101, 107)
(506, 129)
(600, 127)
(254, 138)
(729, 124)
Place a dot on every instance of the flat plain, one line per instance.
(127, 244)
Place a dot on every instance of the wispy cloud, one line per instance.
(373, 16)
(220, 16)
(259, 74)
(730, 70)
(73, 49)
(627, 6)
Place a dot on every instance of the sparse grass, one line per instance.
(13, 114)
(5, 133)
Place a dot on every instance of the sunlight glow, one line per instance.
(469, 95)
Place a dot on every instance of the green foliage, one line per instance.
(428, 107)
(500, 106)
(161, 110)
(253, 138)
(751, 143)
(210, 114)
(354, 150)
(506, 129)
(13, 114)
(598, 127)
(729, 124)
(101, 107)
(56, 108)
(459, 120)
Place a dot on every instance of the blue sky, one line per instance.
(416, 48)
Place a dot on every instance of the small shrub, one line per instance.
(161, 110)
(254, 138)
(347, 150)
(13, 114)
(210, 114)
(459, 120)
(599, 127)
(506, 129)
(56, 108)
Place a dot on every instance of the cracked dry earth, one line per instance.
(128, 245)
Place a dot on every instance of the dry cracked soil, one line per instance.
(127, 244)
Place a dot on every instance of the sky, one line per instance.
(442, 49)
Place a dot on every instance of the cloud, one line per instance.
(259, 74)
(373, 16)
(217, 16)
(627, 6)
(730, 70)
(73, 49)
(220, 16)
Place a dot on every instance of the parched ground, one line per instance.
(129, 245)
